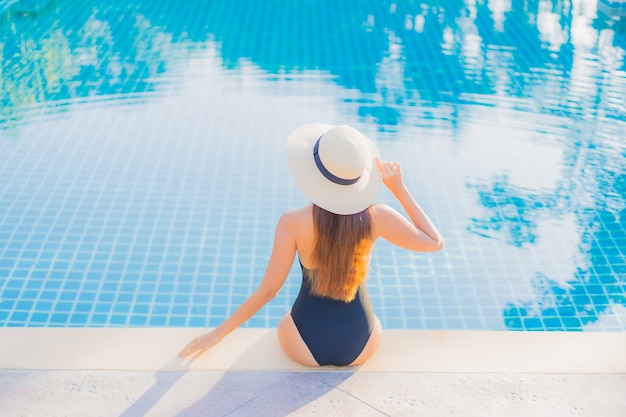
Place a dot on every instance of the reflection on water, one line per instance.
(399, 66)
(557, 57)
(76, 53)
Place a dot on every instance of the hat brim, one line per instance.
(338, 199)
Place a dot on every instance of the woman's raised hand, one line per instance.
(392, 175)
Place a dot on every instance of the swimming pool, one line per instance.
(143, 163)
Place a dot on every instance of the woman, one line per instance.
(332, 321)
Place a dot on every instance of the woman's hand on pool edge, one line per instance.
(199, 345)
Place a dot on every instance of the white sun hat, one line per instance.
(334, 166)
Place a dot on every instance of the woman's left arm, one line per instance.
(281, 260)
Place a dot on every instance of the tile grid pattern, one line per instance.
(144, 211)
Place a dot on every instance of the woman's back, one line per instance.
(301, 224)
(386, 223)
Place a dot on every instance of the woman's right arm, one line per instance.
(420, 236)
(281, 259)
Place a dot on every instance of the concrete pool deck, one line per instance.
(135, 372)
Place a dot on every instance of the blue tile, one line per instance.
(78, 319)
(64, 307)
(18, 316)
(534, 323)
(158, 321)
(24, 305)
(40, 318)
(195, 322)
(9, 294)
(122, 307)
(178, 321)
(118, 320)
(99, 319)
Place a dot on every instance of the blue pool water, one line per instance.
(143, 172)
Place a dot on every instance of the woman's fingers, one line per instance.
(199, 353)
(390, 171)
(193, 350)
(198, 346)
(187, 351)
(383, 166)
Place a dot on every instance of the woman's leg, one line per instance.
(292, 342)
(371, 346)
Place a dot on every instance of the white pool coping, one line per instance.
(155, 349)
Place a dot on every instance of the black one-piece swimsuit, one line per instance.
(335, 331)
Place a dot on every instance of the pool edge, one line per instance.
(463, 351)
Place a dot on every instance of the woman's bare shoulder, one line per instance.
(297, 216)
(381, 209)
(305, 210)
(383, 217)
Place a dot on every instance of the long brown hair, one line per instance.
(342, 247)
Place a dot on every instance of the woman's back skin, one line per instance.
(295, 235)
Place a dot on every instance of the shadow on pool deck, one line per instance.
(240, 392)
(259, 393)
